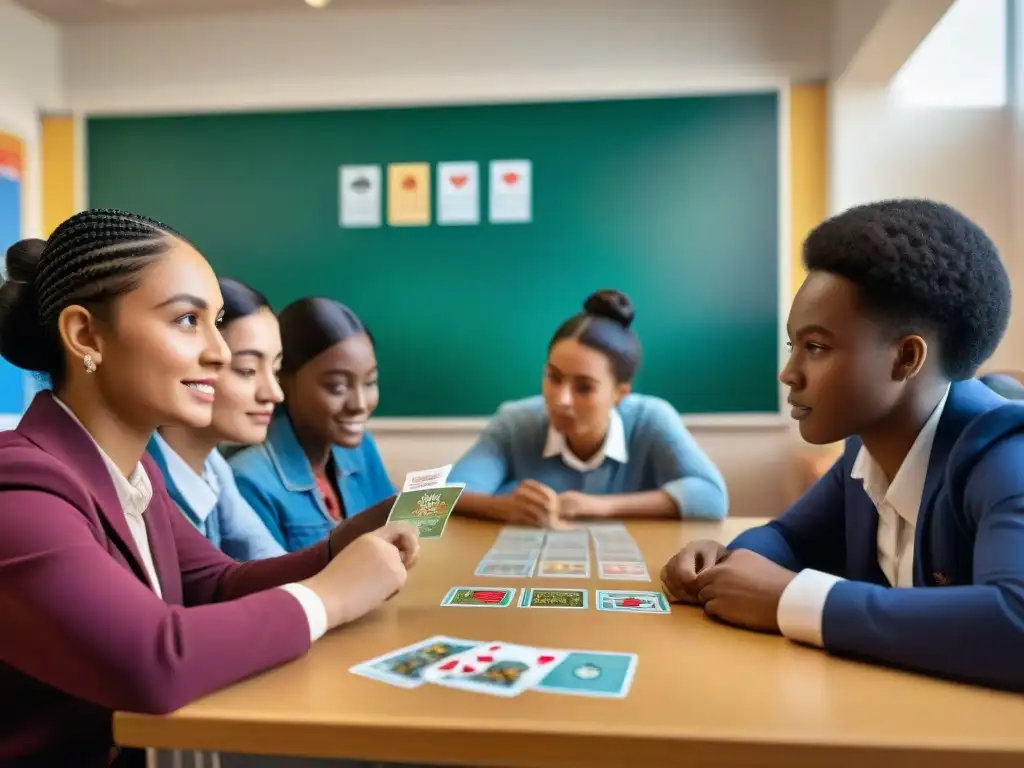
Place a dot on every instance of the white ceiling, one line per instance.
(83, 11)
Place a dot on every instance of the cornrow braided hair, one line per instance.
(90, 259)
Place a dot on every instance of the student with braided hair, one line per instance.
(111, 599)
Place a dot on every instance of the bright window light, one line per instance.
(963, 61)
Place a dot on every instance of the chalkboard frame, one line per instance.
(777, 86)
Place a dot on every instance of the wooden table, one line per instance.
(704, 694)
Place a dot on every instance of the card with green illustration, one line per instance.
(479, 597)
(553, 598)
(428, 509)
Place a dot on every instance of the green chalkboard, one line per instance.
(672, 200)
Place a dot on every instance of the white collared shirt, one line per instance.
(136, 492)
(898, 503)
(613, 447)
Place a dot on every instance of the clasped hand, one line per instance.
(533, 503)
(738, 587)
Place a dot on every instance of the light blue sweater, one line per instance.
(659, 454)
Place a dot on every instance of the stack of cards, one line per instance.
(513, 555)
(566, 554)
(503, 669)
(426, 502)
(618, 556)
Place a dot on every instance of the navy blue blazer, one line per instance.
(966, 622)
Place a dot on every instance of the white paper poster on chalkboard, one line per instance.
(360, 195)
(511, 191)
(458, 193)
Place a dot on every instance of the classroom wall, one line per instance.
(963, 157)
(448, 51)
(443, 50)
(30, 81)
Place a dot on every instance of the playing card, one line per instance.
(620, 556)
(426, 478)
(564, 569)
(553, 598)
(479, 597)
(516, 570)
(428, 509)
(564, 554)
(631, 602)
(500, 669)
(625, 571)
(592, 673)
(404, 667)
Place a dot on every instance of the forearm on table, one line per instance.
(481, 506)
(643, 504)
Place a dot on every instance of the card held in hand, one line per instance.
(428, 509)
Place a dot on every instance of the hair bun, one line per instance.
(612, 305)
(21, 331)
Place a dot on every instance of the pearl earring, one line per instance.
(90, 364)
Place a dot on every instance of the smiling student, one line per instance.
(198, 478)
(910, 551)
(111, 599)
(589, 446)
(318, 464)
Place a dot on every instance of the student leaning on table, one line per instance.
(111, 599)
(588, 447)
(910, 551)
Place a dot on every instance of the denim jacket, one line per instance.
(277, 481)
(212, 504)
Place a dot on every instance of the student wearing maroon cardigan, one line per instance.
(110, 599)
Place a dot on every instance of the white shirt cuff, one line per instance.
(316, 613)
(802, 606)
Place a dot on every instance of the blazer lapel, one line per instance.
(966, 401)
(47, 425)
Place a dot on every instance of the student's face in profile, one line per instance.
(580, 389)
(159, 353)
(248, 389)
(333, 395)
(842, 371)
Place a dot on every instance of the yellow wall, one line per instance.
(808, 167)
(58, 163)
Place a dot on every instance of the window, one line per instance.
(963, 62)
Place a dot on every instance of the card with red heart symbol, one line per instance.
(499, 669)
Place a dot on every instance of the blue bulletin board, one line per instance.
(12, 381)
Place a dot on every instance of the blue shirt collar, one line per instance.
(186, 487)
(290, 462)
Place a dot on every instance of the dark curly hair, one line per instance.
(89, 260)
(921, 267)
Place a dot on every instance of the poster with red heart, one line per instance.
(458, 193)
(511, 191)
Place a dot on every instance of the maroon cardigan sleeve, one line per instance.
(81, 622)
(210, 576)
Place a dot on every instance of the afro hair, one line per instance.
(921, 267)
